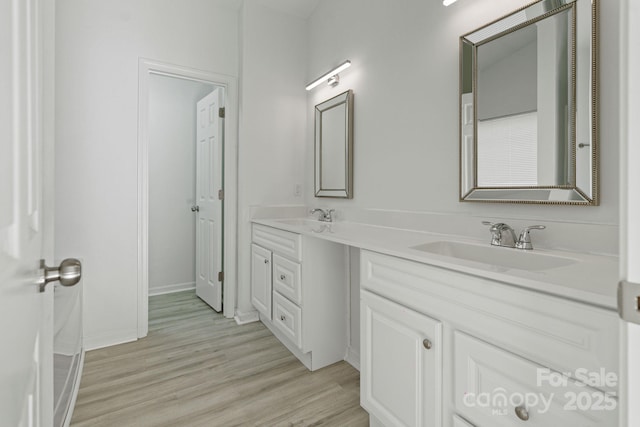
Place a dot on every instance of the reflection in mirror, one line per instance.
(334, 147)
(527, 107)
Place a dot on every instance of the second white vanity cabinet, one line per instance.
(299, 285)
(491, 345)
(401, 364)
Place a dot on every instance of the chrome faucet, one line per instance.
(326, 215)
(497, 239)
(522, 242)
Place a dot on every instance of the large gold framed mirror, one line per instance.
(528, 106)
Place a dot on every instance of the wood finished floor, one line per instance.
(196, 368)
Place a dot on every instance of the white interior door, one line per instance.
(630, 207)
(209, 197)
(26, 326)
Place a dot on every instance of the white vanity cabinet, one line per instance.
(492, 345)
(261, 279)
(299, 285)
(401, 363)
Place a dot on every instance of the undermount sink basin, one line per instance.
(301, 222)
(498, 256)
(311, 225)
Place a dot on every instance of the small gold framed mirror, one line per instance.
(334, 147)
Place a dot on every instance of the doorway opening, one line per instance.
(187, 151)
(186, 138)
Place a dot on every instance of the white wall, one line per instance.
(272, 120)
(172, 182)
(405, 79)
(98, 44)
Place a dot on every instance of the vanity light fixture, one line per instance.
(331, 77)
(448, 2)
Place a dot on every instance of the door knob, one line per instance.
(68, 273)
(195, 208)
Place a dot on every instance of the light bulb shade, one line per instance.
(448, 2)
(325, 77)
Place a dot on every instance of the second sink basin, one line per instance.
(300, 222)
(498, 256)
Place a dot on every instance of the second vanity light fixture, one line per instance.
(331, 77)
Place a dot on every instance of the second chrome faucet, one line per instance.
(326, 215)
(522, 242)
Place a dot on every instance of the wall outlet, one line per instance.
(297, 190)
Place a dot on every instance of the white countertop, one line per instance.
(591, 279)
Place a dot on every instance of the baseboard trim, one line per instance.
(353, 358)
(244, 317)
(170, 289)
(305, 358)
(95, 343)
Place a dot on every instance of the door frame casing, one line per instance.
(629, 205)
(147, 67)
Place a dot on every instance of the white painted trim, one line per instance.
(244, 317)
(112, 338)
(353, 357)
(305, 358)
(171, 289)
(629, 204)
(230, 265)
(374, 422)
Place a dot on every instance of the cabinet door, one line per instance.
(261, 279)
(401, 356)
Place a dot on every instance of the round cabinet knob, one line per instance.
(195, 208)
(522, 413)
(282, 277)
(427, 344)
(266, 261)
(283, 318)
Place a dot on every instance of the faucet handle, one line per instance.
(524, 240)
(493, 226)
(328, 216)
(496, 232)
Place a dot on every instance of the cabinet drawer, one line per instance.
(286, 278)
(490, 383)
(279, 241)
(558, 333)
(287, 317)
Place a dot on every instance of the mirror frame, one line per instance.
(555, 194)
(345, 98)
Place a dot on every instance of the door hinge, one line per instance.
(221, 112)
(221, 276)
(220, 194)
(629, 301)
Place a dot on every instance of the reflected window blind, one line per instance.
(508, 153)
